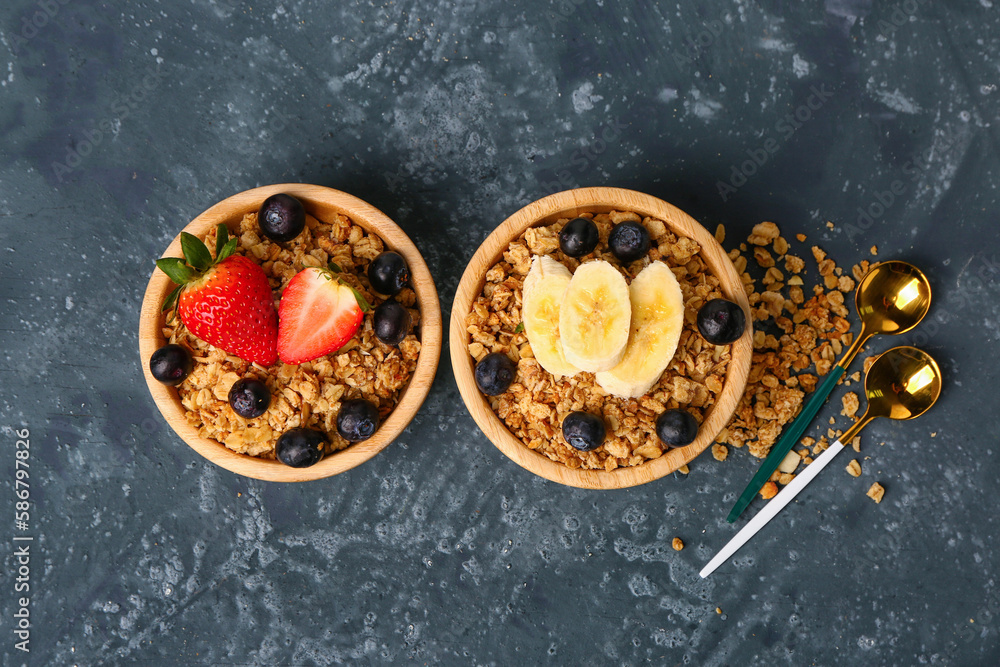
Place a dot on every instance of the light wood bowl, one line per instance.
(321, 203)
(570, 204)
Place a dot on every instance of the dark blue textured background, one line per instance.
(119, 122)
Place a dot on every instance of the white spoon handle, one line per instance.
(773, 507)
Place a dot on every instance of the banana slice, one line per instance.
(657, 322)
(543, 291)
(594, 318)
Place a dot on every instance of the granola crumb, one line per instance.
(763, 233)
(854, 468)
(829, 225)
(769, 490)
(874, 250)
(677, 544)
(856, 443)
(718, 610)
(780, 245)
(720, 452)
(851, 404)
(876, 492)
(801, 238)
(684, 469)
(869, 361)
(720, 233)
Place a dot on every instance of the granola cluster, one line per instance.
(536, 403)
(308, 394)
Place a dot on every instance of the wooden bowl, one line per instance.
(321, 203)
(570, 204)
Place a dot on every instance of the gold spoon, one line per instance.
(892, 298)
(903, 383)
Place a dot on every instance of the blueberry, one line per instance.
(495, 373)
(281, 217)
(357, 420)
(629, 241)
(392, 322)
(170, 364)
(249, 398)
(721, 322)
(677, 428)
(578, 238)
(300, 447)
(583, 431)
(388, 273)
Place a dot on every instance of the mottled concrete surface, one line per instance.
(122, 121)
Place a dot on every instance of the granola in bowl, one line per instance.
(309, 394)
(537, 401)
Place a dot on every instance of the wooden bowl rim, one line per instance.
(318, 201)
(568, 204)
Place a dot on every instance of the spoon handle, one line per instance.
(773, 507)
(788, 440)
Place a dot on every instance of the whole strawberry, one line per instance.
(225, 301)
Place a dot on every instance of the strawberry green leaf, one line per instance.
(171, 299)
(195, 252)
(227, 250)
(335, 267)
(362, 302)
(221, 238)
(176, 269)
(519, 328)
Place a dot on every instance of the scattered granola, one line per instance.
(768, 491)
(677, 544)
(536, 403)
(308, 394)
(876, 492)
(796, 340)
(854, 468)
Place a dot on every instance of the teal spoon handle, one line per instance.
(788, 440)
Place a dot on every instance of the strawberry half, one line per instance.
(225, 301)
(317, 314)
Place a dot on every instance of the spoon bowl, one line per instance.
(892, 298)
(903, 383)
